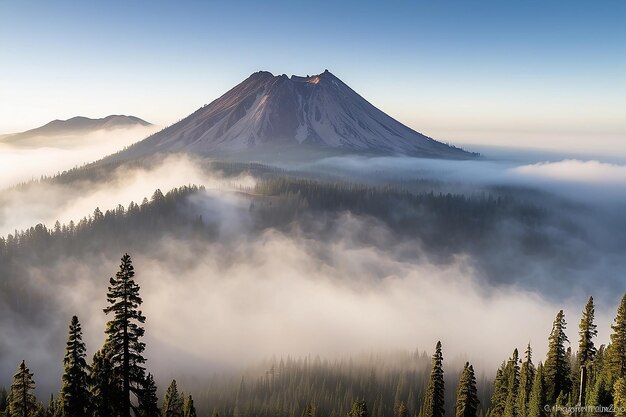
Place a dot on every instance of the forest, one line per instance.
(444, 223)
(116, 381)
(283, 208)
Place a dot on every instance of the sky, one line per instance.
(544, 74)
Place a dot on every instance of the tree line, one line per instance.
(159, 212)
(116, 383)
(436, 218)
(445, 224)
(589, 381)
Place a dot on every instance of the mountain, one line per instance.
(75, 126)
(267, 112)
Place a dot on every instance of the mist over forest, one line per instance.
(244, 265)
(328, 209)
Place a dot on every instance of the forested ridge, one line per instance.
(116, 382)
(103, 171)
(444, 224)
(436, 218)
(160, 215)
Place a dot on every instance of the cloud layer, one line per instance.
(248, 296)
(20, 164)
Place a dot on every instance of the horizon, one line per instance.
(514, 75)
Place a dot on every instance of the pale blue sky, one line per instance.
(530, 73)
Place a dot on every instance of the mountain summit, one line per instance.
(271, 112)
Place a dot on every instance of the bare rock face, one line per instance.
(267, 111)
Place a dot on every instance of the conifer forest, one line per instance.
(117, 378)
(280, 208)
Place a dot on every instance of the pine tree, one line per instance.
(500, 392)
(148, 402)
(527, 375)
(51, 409)
(537, 400)
(23, 402)
(173, 402)
(620, 396)
(359, 409)
(40, 410)
(55, 407)
(556, 368)
(402, 411)
(190, 409)
(617, 348)
(510, 406)
(434, 401)
(105, 390)
(599, 390)
(74, 392)
(602, 392)
(586, 348)
(124, 333)
(467, 394)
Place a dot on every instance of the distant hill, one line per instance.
(75, 126)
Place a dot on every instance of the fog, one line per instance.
(57, 153)
(589, 181)
(232, 303)
(291, 296)
(47, 203)
(251, 295)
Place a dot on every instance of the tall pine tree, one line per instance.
(124, 333)
(105, 389)
(467, 395)
(148, 402)
(586, 348)
(74, 391)
(401, 410)
(500, 392)
(557, 366)
(434, 401)
(537, 400)
(597, 394)
(510, 406)
(617, 348)
(190, 409)
(51, 410)
(359, 409)
(22, 401)
(619, 396)
(173, 402)
(527, 375)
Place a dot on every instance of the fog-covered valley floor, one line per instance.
(334, 257)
